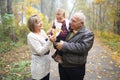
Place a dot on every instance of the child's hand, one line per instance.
(56, 31)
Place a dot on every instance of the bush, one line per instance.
(112, 40)
(19, 71)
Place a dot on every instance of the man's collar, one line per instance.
(79, 30)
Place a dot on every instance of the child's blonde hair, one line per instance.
(60, 11)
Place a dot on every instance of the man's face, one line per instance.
(75, 23)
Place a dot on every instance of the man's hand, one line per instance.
(59, 45)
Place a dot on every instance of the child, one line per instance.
(60, 29)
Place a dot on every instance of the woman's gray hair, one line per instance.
(80, 15)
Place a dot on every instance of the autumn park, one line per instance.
(102, 17)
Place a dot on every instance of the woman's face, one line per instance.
(38, 26)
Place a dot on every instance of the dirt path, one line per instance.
(99, 66)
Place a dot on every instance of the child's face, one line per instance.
(60, 17)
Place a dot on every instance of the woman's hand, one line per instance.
(52, 38)
(49, 32)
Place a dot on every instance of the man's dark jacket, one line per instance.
(75, 49)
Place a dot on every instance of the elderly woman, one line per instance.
(39, 44)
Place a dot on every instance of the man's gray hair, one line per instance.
(80, 15)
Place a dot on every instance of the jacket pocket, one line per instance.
(74, 59)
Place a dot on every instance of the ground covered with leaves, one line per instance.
(102, 64)
(14, 65)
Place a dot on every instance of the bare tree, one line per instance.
(3, 6)
(48, 8)
(9, 6)
(74, 5)
(118, 17)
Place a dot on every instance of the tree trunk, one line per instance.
(118, 15)
(100, 12)
(93, 17)
(3, 7)
(3, 11)
(72, 9)
(51, 12)
(43, 7)
(9, 6)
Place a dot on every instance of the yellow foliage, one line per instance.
(30, 11)
(33, 1)
(26, 8)
(111, 39)
(116, 57)
(113, 42)
(18, 10)
(98, 1)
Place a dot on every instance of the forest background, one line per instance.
(103, 17)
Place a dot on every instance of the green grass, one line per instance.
(111, 39)
(18, 71)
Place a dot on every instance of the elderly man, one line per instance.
(75, 49)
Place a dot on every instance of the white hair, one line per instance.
(80, 15)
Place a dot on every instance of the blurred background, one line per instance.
(102, 17)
